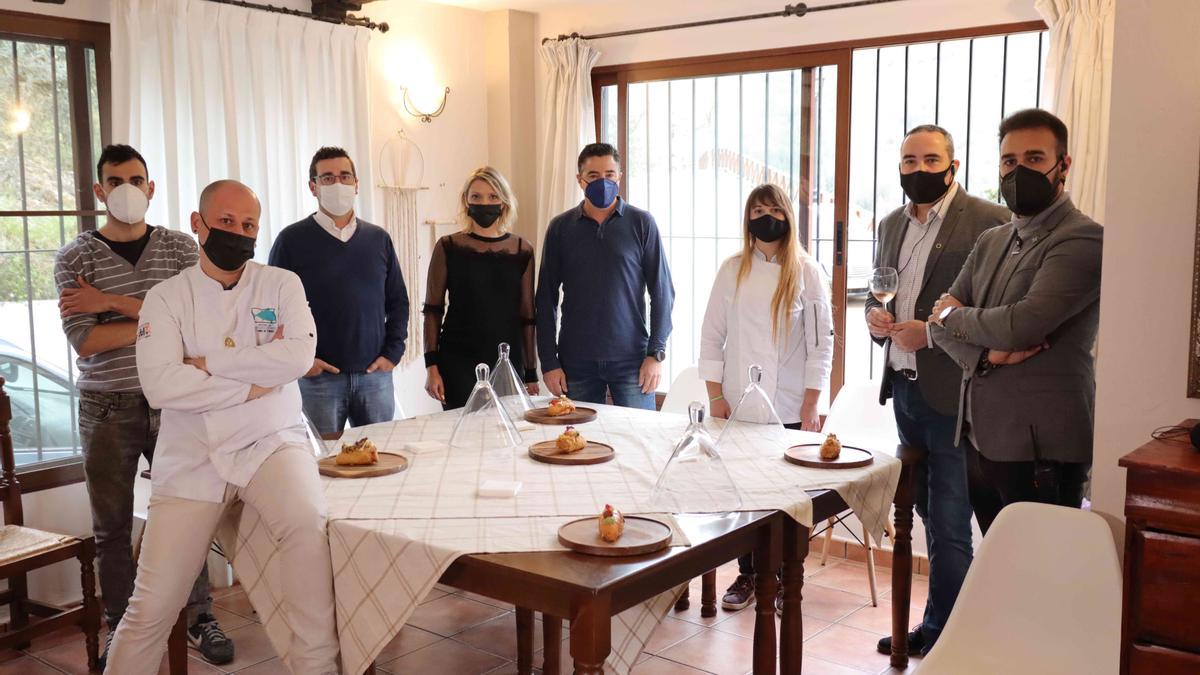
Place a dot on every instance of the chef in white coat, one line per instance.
(219, 350)
(769, 307)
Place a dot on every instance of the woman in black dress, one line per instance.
(488, 274)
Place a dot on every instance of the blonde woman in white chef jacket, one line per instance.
(219, 350)
(769, 306)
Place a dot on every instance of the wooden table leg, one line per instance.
(684, 600)
(708, 594)
(524, 641)
(591, 635)
(552, 644)
(902, 556)
(766, 584)
(791, 641)
(91, 606)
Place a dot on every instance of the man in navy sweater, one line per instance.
(356, 292)
(606, 256)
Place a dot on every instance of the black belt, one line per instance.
(907, 373)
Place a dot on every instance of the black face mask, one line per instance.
(484, 215)
(227, 250)
(925, 187)
(1028, 192)
(768, 228)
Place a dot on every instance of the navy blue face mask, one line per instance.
(601, 192)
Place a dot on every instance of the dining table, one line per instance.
(393, 537)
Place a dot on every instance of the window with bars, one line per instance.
(966, 86)
(49, 104)
(694, 146)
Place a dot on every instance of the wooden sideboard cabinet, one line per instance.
(1160, 619)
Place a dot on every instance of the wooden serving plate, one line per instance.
(388, 463)
(809, 454)
(592, 453)
(642, 535)
(543, 416)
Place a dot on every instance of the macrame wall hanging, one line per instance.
(401, 168)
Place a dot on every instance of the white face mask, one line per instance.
(127, 203)
(336, 199)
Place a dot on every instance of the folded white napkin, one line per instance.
(417, 447)
(499, 488)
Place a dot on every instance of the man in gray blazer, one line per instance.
(927, 242)
(1021, 321)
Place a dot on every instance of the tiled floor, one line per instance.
(461, 633)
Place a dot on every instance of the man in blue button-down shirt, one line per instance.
(606, 256)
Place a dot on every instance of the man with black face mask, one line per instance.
(927, 242)
(219, 350)
(1021, 320)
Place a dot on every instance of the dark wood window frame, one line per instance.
(839, 54)
(76, 35)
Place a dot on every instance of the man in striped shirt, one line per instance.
(102, 277)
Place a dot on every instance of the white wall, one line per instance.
(1149, 237)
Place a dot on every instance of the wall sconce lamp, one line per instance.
(412, 109)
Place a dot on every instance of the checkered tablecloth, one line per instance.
(392, 537)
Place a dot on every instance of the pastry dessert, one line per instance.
(831, 448)
(571, 441)
(362, 453)
(561, 406)
(612, 524)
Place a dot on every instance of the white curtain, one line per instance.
(570, 123)
(208, 91)
(1079, 82)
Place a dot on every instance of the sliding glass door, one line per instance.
(697, 140)
(824, 124)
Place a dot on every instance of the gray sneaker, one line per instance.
(740, 593)
(208, 639)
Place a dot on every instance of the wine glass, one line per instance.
(883, 284)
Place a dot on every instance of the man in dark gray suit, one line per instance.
(927, 242)
(1021, 320)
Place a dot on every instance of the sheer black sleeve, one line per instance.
(528, 320)
(435, 300)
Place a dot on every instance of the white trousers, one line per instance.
(287, 495)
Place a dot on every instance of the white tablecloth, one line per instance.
(392, 537)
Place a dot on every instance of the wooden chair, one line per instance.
(23, 549)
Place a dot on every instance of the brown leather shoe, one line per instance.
(740, 593)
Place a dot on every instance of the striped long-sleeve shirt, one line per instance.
(168, 253)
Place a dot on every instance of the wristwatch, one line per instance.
(659, 355)
(945, 313)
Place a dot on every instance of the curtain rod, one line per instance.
(797, 10)
(348, 20)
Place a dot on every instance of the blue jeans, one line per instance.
(361, 398)
(941, 499)
(589, 381)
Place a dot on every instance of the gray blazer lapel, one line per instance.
(1043, 233)
(891, 250)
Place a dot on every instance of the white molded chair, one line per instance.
(1042, 596)
(686, 388)
(858, 419)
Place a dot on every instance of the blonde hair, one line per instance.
(790, 257)
(508, 200)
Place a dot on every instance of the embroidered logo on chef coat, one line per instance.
(143, 331)
(265, 321)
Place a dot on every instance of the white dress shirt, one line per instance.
(737, 334)
(913, 256)
(210, 435)
(341, 234)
